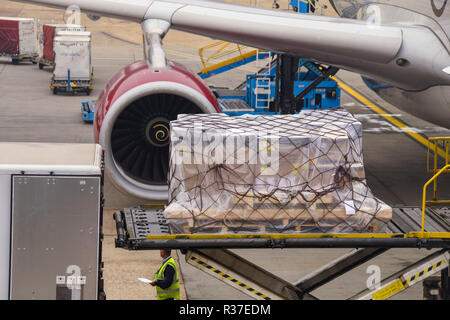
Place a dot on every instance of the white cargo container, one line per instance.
(50, 220)
(18, 39)
(74, 34)
(48, 33)
(73, 64)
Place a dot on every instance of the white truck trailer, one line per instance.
(18, 39)
(50, 221)
(73, 71)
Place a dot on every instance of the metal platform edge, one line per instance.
(412, 239)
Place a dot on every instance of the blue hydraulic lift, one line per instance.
(311, 84)
(259, 95)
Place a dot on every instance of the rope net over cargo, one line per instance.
(270, 174)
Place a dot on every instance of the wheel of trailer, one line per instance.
(55, 91)
(15, 61)
(41, 66)
(88, 91)
(34, 61)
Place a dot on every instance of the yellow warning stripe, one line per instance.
(400, 284)
(420, 274)
(230, 61)
(388, 291)
(226, 276)
(429, 235)
(392, 119)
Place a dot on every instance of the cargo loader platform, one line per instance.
(145, 228)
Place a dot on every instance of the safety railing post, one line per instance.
(424, 198)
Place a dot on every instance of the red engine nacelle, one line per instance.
(132, 123)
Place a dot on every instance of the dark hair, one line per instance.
(168, 251)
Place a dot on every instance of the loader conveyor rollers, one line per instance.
(145, 228)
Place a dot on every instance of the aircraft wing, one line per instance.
(381, 51)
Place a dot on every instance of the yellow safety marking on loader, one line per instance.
(388, 291)
(226, 276)
(400, 284)
(423, 272)
(392, 119)
(429, 235)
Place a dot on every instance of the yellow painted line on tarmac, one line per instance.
(392, 119)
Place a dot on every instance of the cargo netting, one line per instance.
(270, 174)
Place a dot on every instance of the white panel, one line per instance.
(74, 54)
(28, 43)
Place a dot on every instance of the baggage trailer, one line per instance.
(73, 72)
(47, 37)
(51, 221)
(18, 39)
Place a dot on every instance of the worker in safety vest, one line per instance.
(166, 278)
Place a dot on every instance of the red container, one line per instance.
(49, 35)
(9, 37)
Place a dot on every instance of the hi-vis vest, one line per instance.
(174, 290)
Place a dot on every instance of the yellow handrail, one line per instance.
(433, 143)
(424, 199)
(224, 49)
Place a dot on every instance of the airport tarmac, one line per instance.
(395, 164)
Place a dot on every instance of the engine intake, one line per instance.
(140, 136)
(133, 119)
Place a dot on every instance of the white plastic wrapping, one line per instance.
(271, 174)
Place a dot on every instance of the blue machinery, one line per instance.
(69, 85)
(87, 111)
(311, 89)
(287, 85)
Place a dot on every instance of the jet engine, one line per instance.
(132, 122)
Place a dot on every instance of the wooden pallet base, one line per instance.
(265, 227)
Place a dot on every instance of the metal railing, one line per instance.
(424, 196)
(440, 147)
(222, 53)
